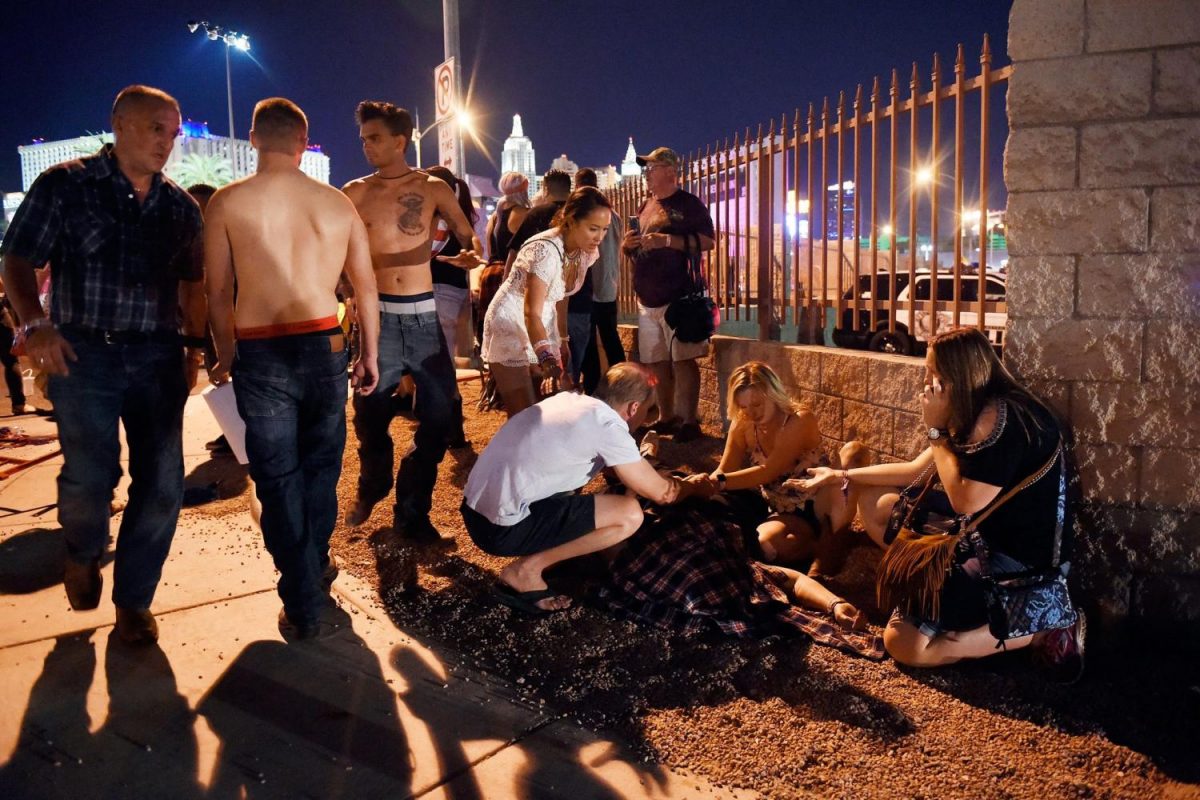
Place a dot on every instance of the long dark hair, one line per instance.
(580, 203)
(975, 376)
(461, 190)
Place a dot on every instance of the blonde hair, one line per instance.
(757, 375)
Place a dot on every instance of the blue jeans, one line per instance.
(411, 343)
(291, 391)
(579, 328)
(143, 386)
(450, 301)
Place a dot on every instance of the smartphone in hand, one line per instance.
(635, 225)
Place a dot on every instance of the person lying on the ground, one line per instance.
(772, 439)
(521, 497)
(993, 446)
(688, 569)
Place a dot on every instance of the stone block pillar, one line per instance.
(1103, 172)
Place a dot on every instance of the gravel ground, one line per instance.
(780, 715)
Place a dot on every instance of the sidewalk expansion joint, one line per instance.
(452, 776)
(157, 615)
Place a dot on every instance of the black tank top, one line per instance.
(448, 274)
(501, 235)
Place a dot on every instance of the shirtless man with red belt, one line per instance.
(398, 203)
(286, 239)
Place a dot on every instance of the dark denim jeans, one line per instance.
(291, 391)
(604, 318)
(579, 328)
(142, 386)
(411, 343)
(12, 368)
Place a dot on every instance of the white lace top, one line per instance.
(505, 340)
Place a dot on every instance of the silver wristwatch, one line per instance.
(938, 433)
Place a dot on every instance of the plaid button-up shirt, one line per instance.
(688, 571)
(115, 264)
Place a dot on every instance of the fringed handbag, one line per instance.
(920, 553)
(914, 568)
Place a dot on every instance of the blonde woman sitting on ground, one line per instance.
(772, 439)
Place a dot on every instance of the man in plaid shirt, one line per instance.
(124, 247)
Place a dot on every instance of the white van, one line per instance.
(927, 323)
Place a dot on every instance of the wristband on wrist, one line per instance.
(37, 322)
(835, 603)
(845, 482)
(721, 481)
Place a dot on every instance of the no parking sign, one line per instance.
(446, 103)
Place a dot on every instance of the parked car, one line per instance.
(926, 323)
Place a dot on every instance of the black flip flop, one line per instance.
(525, 601)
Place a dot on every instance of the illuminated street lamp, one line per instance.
(232, 39)
(923, 176)
(462, 117)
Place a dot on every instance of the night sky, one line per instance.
(583, 76)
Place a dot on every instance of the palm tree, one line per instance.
(92, 142)
(195, 168)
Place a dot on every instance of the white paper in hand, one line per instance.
(223, 405)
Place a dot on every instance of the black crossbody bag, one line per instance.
(693, 317)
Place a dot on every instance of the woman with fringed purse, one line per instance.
(977, 545)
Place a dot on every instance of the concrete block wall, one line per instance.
(1102, 167)
(871, 397)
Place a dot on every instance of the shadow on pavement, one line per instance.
(146, 746)
(228, 476)
(32, 560)
(331, 697)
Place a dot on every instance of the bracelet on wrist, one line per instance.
(835, 603)
(845, 482)
(36, 323)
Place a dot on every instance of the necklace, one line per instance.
(394, 177)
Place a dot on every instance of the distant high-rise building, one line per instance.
(831, 215)
(517, 155)
(565, 164)
(196, 151)
(607, 178)
(629, 167)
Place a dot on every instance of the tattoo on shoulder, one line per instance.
(409, 221)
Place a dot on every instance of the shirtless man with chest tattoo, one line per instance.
(398, 204)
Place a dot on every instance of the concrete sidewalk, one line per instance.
(222, 707)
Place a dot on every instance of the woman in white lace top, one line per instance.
(525, 328)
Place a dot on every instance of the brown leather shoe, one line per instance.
(83, 583)
(136, 626)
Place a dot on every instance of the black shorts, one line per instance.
(558, 519)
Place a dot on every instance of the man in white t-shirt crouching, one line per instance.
(521, 498)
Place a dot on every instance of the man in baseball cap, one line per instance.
(660, 155)
(675, 229)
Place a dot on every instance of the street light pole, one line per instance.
(231, 39)
(450, 45)
(417, 138)
(229, 91)
(462, 119)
